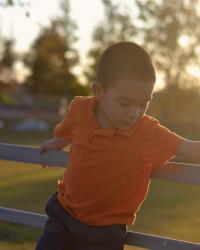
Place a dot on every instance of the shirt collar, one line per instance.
(98, 130)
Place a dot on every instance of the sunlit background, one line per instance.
(87, 14)
(49, 51)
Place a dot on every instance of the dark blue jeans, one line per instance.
(64, 232)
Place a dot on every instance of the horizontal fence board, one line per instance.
(29, 154)
(22, 217)
(158, 243)
(172, 171)
(132, 238)
(178, 172)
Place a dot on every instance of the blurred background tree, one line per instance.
(8, 58)
(8, 55)
(53, 57)
(169, 31)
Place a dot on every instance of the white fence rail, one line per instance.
(179, 172)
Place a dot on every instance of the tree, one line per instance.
(53, 58)
(116, 26)
(170, 33)
(8, 56)
(7, 59)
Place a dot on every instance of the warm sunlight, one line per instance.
(13, 22)
(195, 71)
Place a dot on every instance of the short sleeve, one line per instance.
(158, 144)
(63, 129)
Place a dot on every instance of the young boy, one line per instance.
(114, 146)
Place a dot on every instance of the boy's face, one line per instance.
(122, 104)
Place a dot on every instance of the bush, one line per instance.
(5, 99)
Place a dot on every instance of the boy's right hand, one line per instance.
(44, 147)
(50, 144)
(55, 143)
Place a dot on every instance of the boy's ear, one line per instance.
(97, 90)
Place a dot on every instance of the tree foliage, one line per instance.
(8, 56)
(170, 32)
(53, 59)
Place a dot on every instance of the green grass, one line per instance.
(25, 187)
(170, 210)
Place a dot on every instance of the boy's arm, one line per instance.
(189, 150)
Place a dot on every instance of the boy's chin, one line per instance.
(124, 126)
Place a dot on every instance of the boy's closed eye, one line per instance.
(124, 102)
(127, 104)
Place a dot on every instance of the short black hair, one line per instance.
(124, 60)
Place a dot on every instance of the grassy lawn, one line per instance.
(171, 209)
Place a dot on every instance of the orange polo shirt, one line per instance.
(109, 170)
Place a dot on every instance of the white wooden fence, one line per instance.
(179, 172)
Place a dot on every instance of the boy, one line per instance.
(113, 148)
